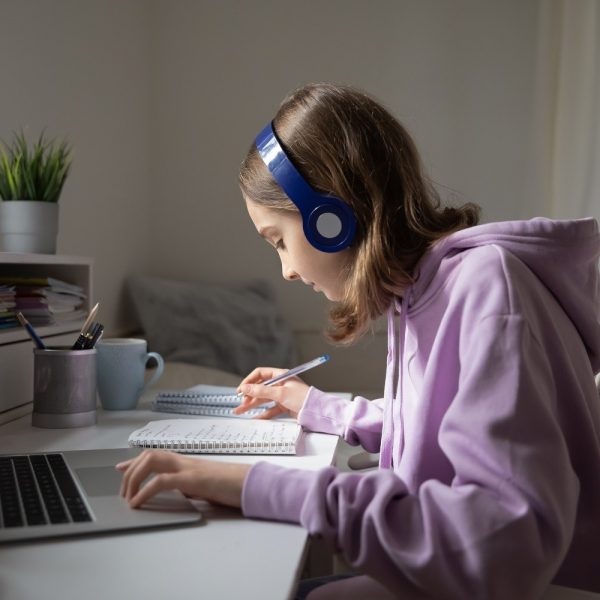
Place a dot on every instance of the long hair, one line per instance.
(346, 144)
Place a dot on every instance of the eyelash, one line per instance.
(278, 245)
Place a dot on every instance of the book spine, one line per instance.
(217, 447)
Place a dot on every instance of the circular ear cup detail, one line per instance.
(328, 222)
(328, 225)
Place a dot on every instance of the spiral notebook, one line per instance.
(219, 436)
(206, 400)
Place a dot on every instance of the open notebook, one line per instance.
(219, 436)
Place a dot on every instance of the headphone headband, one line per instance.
(329, 224)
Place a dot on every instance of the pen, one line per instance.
(31, 331)
(80, 342)
(94, 336)
(299, 369)
(296, 371)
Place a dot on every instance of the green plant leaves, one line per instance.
(33, 173)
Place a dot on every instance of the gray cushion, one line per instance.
(232, 328)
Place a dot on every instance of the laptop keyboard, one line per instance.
(38, 489)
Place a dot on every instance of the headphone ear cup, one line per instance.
(330, 226)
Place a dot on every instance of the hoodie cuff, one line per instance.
(325, 413)
(275, 493)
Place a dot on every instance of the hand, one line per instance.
(217, 482)
(289, 395)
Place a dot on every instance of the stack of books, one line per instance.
(45, 300)
(8, 304)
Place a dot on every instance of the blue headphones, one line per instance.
(329, 224)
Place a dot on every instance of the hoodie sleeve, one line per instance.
(358, 421)
(502, 527)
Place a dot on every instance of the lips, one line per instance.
(311, 284)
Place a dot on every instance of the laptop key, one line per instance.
(71, 495)
(49, 490)
(9, 496)
(32, 505)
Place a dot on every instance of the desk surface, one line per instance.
(229, 557)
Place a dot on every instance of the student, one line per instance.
(489, 432)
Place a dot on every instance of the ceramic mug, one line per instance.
(121, 366)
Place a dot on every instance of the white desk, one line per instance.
(228, 557)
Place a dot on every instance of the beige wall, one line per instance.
(161, 100)
(81, 69)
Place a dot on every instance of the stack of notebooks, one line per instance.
(240, 434)
(44, 300)
(206, 400)
(8, 305)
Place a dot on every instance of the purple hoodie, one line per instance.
(489, 432)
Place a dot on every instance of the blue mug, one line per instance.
(121, 366)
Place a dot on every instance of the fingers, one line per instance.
(256, 395)
(271, 412)
(137, 469)
(261, 374)
(259, 394)
(159, 483)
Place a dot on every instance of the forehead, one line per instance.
(264, 217)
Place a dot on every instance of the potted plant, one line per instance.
(31, 181)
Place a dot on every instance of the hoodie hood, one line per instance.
(563, 255)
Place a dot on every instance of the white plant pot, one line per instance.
(28, 226)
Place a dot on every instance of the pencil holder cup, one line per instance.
(64, 388)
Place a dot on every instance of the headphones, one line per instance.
(329, 224)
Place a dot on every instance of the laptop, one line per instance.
(57, 494)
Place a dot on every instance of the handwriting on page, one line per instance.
(230, 432)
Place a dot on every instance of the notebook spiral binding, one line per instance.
(207, 447)
(185, 397)
(210, 411)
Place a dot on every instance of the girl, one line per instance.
(489, 431)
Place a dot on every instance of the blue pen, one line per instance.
(299, 369)
(31, 331)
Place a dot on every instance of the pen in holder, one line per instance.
(64, 388)
(83, 339)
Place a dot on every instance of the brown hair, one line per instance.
(346, 144)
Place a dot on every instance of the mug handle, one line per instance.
(160, 366)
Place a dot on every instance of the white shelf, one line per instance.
(16, 355)
(21, 258)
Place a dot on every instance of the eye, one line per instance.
(279, 245)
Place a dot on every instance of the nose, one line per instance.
(288, 273)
